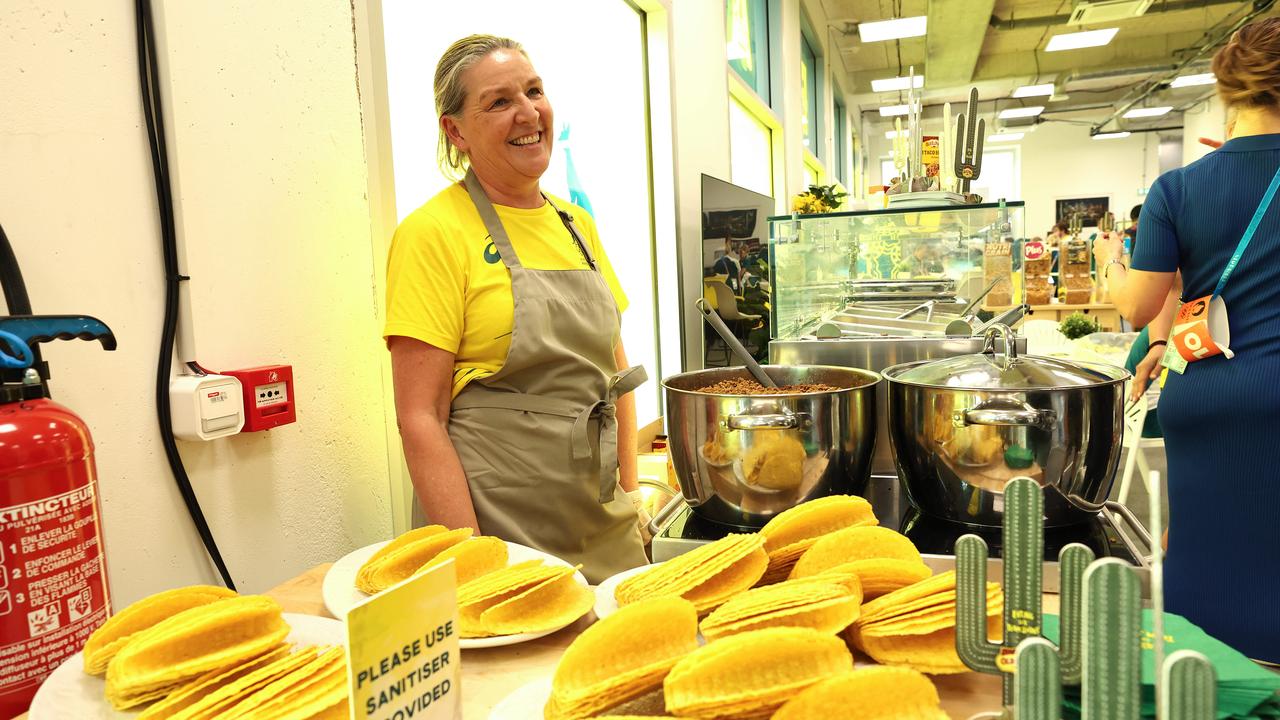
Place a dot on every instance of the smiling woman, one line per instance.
(503, 322)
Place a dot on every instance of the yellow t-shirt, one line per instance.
(447, 286)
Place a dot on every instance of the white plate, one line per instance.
(340, 593)
(525, 703)
(606, 604)
(70, 693)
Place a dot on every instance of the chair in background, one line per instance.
(1134, 445)
(726, 306)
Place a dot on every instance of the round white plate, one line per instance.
(606, 604)
(525, 703)
(70, 693)
(340, 593)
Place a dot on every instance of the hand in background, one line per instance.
(1215, 144)
(1146, 371)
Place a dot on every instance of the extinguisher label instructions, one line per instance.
(52, 585)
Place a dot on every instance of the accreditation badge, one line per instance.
(1200, 330)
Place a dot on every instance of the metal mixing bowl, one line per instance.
(742, 459)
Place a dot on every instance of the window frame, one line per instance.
(809, 60)
(759, 80)
(840, 145)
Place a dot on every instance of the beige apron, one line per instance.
(538, 439)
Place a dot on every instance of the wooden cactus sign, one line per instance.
(1112, 671)
(1023, 546)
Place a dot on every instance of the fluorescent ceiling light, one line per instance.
(1027, 91)
(893, 134)
(1077, 40)
(1111, 136)
(897, 83)
(1023, 112)
(1147, 112)
(893, 29)
(1005, 137)
(894, 110)
(1189, 80)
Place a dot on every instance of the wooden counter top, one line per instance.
(491, 674)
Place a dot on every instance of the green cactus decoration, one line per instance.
(1112, 672)
(1189, 690)
(1039, 680)
(1023, 543)
(1112, 688)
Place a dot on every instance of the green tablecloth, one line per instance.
(1245, 689)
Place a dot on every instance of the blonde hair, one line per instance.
(1248, 66)
(451, 93)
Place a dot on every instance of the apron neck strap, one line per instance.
(492, 223)
(567, 219)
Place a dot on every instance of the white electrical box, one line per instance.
(205, 407)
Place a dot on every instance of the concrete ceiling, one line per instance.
(998, 45)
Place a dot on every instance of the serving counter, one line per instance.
(491, 674)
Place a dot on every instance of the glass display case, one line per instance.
(916, 267)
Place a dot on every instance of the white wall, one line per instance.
(273, 180)
(1208, 120)
(1061, 161)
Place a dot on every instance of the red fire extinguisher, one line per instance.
(53, 578)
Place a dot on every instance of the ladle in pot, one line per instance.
(713, 319)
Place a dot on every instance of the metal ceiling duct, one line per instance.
(1047, 20)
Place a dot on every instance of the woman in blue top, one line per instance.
(1221, 418)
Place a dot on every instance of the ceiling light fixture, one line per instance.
(897, 83)
(1077, 40)
(1022, 112)
(1147, 112)
(1189, 80)
(894, 110)
(1027, 91)
(893, 29)
(1111, 135)
(1005, 137)
(894, 133)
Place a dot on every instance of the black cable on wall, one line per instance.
(151, 110)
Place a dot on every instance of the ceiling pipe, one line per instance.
(1048, 20)
(1147, 89)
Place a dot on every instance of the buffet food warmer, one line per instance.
(877, 288)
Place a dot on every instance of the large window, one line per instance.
(747, 31)
(596, 103)
(809, 84)
(840, 162)
(1000, 177)
(750, 150)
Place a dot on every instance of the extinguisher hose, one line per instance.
(15, 298)
(151, 110)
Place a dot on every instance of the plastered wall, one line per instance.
(273, 185)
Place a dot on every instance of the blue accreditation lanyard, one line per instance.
(1248, 233)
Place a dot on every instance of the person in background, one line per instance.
(1057, 234)
(503, 323)
(730, 264)
(1220, 415)
(1131, 232)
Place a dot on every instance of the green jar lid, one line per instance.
(1018, 457)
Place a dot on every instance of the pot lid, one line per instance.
(992, 370)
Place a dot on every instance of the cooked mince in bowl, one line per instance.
(747, 386)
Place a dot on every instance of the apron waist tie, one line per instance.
(580, 438)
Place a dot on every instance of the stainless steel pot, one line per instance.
(741, 459)
(963, 427)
